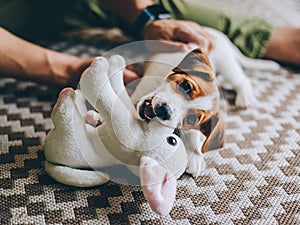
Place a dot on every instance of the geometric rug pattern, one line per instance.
(255, 179)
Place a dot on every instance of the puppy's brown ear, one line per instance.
(214, 130)
(202, 56)
(193, 58)
(196, 63)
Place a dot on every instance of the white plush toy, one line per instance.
(78, 144)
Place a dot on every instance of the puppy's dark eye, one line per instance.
(191, 119)
(185, 87)
(171, 140)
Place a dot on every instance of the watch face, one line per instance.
(164, 16)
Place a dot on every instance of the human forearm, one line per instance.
(128, 10)
(17, 55)
(26, 60)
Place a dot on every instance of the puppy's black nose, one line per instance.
(163, 111)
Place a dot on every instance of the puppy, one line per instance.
(180, 89)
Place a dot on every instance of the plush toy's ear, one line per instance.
(159, 186)
(214, 130)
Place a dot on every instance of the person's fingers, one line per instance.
(131, 67)
(194, 34)
(206, 40)
(204, 43)
(129, 76)
(86, 62)
(177, 33)
(77, 69)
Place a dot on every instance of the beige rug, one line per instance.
(254, 180)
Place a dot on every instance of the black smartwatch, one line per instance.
(149, 14)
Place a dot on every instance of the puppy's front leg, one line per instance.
(225, 62)
(237, 78)
(245, 96)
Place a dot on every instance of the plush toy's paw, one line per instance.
(115, 72)
(196, 164)
(94, 78)
(80, 103)
(245, 99)
(64, 104)
(93, 118)
(76, 177)
(65, 111)
(116, 66)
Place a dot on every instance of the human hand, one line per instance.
(176, 34)
(130, 74)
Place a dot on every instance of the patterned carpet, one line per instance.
(255, 179)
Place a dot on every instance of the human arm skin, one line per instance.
(22, 59)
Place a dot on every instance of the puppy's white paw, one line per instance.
(196, 164)
(245, 99)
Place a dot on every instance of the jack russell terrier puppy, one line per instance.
(180, 90)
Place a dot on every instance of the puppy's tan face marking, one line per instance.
(183, 85)
(194, 118)
(209, 123)
(207, 76)
(193, 77)
(195, 57)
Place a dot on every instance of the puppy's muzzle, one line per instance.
(146, 111)
(163, 111)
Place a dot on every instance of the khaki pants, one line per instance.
(32, 19)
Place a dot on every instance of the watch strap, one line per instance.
(149, 14)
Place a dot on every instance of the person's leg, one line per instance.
(284, 45)
(254, 36)
(250, 34)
